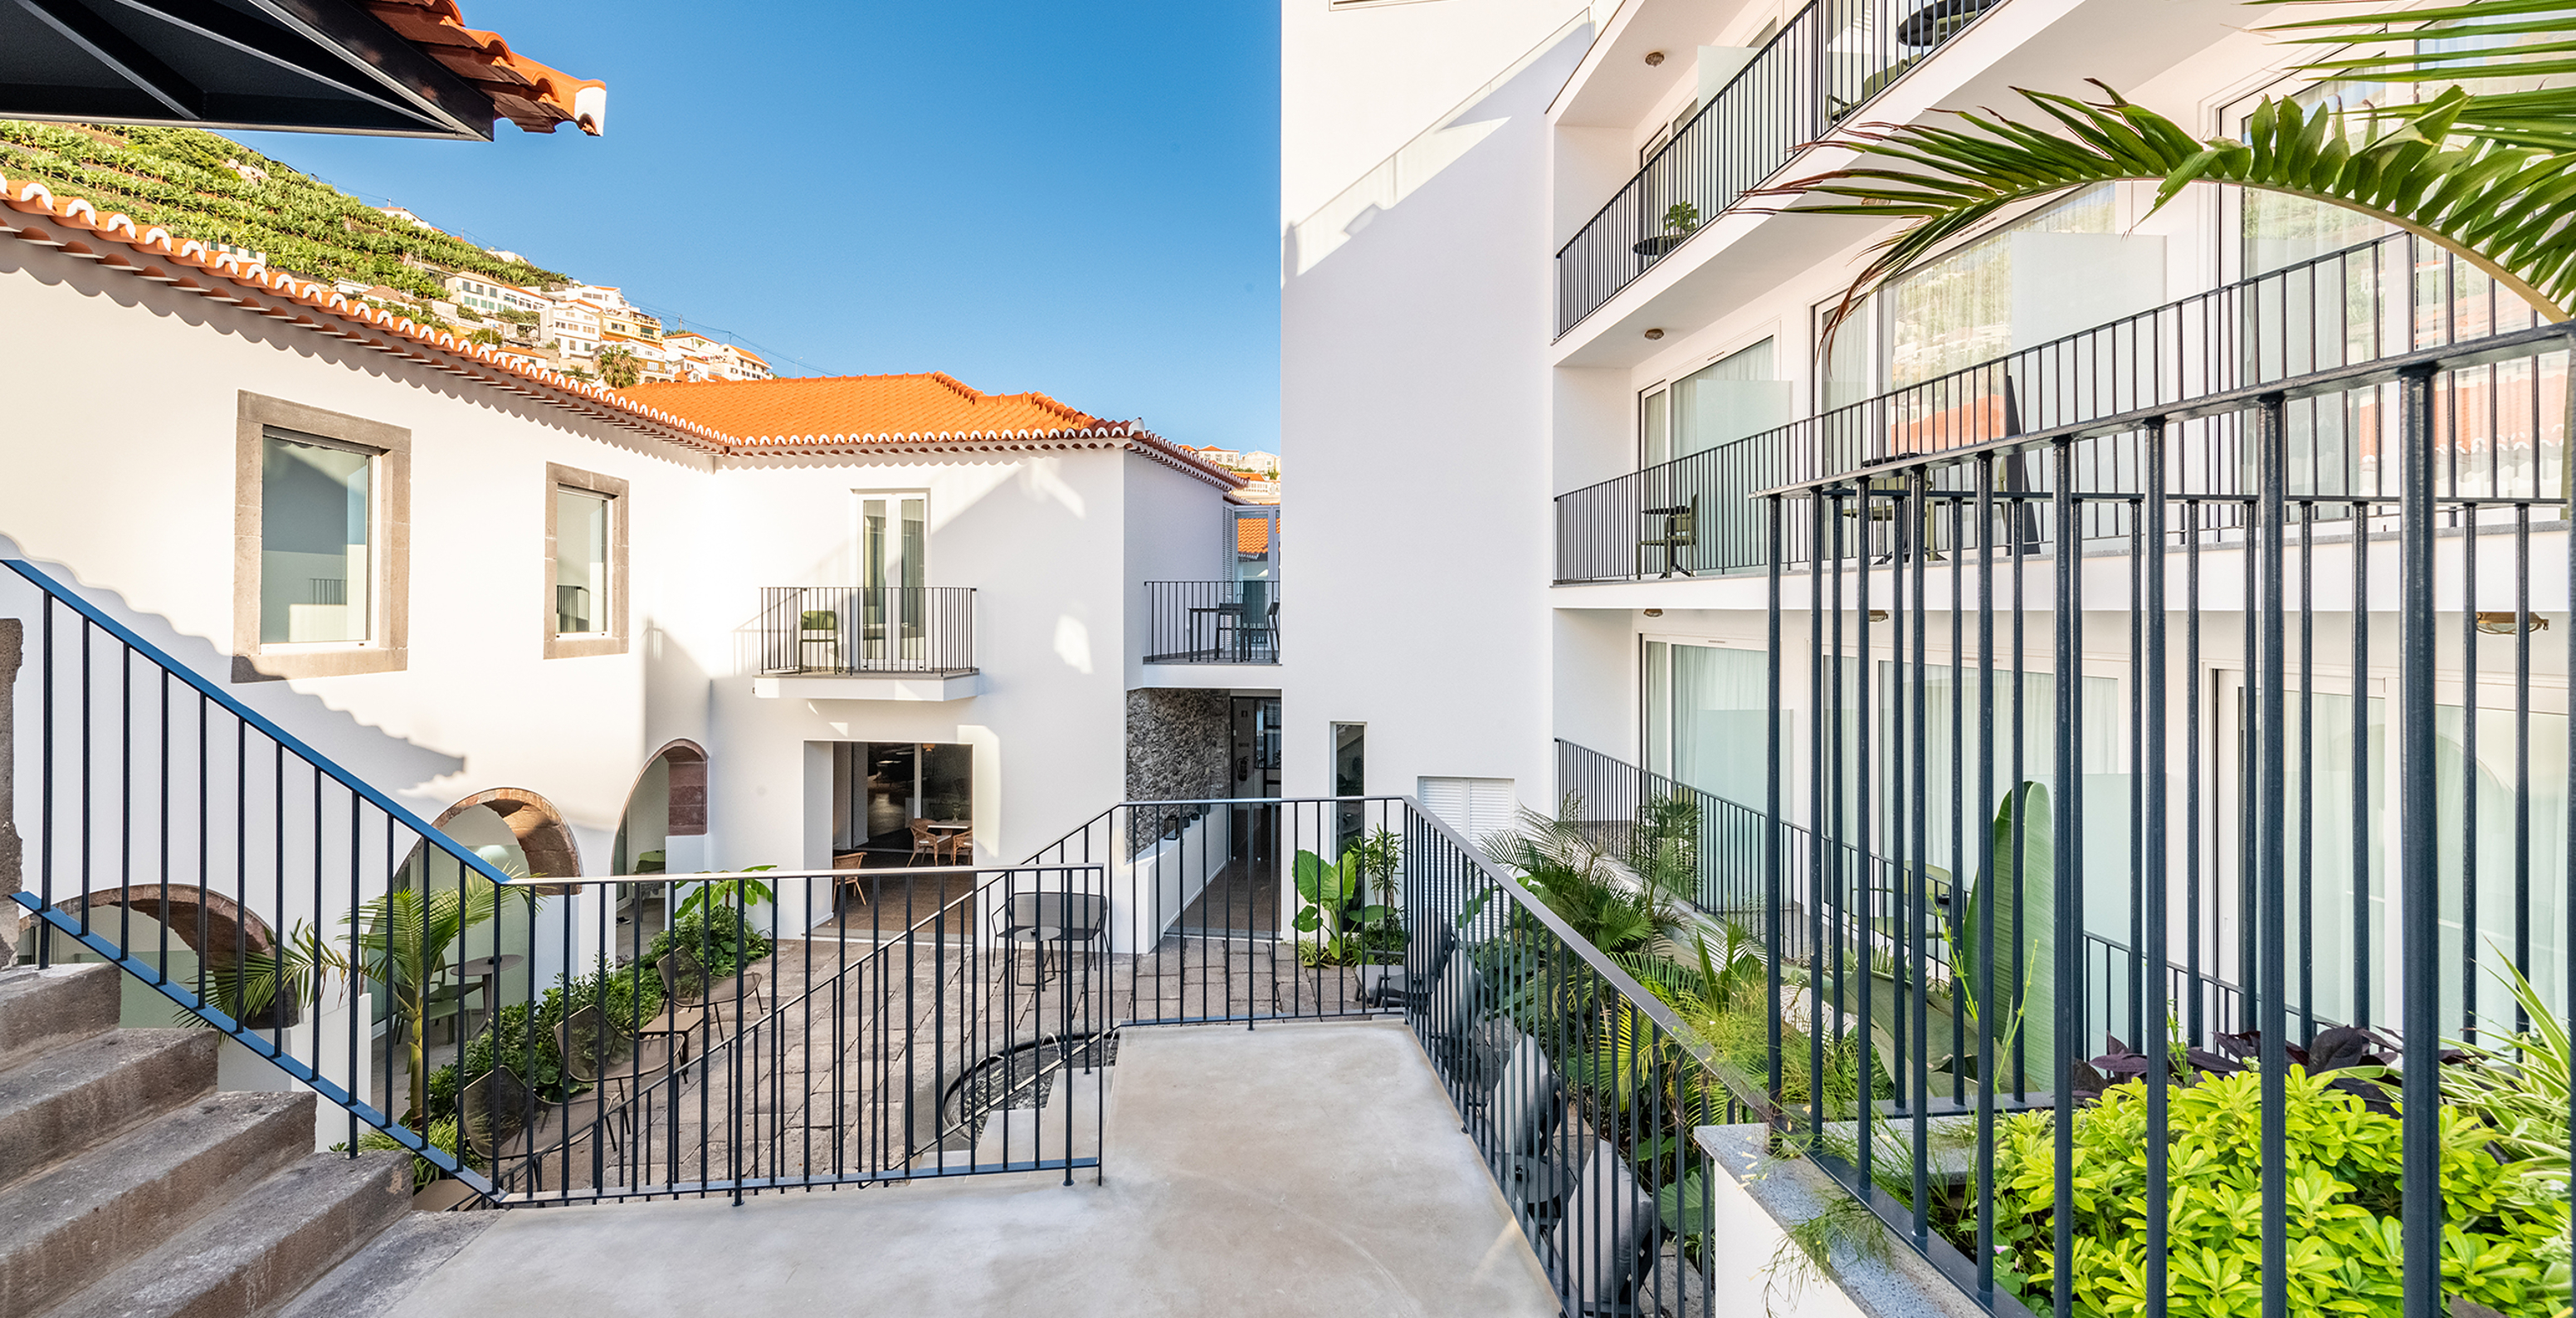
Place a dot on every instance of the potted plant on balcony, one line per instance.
(1681, 219)
(1339, 925)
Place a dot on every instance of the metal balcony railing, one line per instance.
(2321, 787)
(1212, 622)
(2373, 302)
(1831, 59)
(867, 629)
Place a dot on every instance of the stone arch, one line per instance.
(688, 786)
(543, 836)
(681, 811)
(210, 923)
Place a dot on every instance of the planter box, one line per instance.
(1759, 1196)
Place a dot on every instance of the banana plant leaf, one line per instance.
(2025, 933)
(1953, 1041)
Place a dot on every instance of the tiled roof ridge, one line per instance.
(196, 266)
(533, 95)
(154, 253)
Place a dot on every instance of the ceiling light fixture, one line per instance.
(1654, 334)
(1653, 58)
(2502, 624)
(1654, 613)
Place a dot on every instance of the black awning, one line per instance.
(296, 65)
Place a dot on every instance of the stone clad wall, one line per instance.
(1178, 742)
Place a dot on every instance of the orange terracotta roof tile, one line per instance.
(860, 405)
(534, 96)
(1252, 535)
(950, 416)
(899, 413)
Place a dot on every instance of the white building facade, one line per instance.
(461, 576)
(1515, 272)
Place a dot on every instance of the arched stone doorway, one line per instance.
(209, 923)
(527, 824)
(662, 832)
(669, 801)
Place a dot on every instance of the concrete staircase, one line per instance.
(130, 1188)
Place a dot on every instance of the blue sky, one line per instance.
(1075, 198)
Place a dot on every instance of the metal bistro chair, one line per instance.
(818, 627)
(1066, 919)
(497, 1117)
(1680, 532)
(685, 983)
(596, 1055)
(1249, 637)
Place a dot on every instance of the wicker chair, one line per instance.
(686, 984)
(924, 841)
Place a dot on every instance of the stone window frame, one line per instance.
(620, 511)
(387, 649)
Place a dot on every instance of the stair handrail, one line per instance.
(82, 930)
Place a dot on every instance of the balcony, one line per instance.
(2248, 780)
(2374, 302)
(1832, 59)
(1212, 622)
(867, 643)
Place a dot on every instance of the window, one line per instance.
(1729, 399)
(894, 540)
(585, 563)
(1654, 427)
(581, 562)
(316, 502)
(320, 542)
(2056, 272)
(1704, 709)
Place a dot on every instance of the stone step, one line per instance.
(41, 1010)
(65, 1101)
(66, 1227)
(375, 1279)
(255, 1253)
(1032, 1134)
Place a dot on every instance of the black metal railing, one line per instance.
(1832, 58)
(214, 856)
(930, 1021)
(1727, 839)
(2374, 302)
(1212, 622)
(867, 629)
(1580, 1087)
(2274, 740)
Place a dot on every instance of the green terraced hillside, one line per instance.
(177, 177)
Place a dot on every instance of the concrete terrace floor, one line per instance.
(1292, 1169)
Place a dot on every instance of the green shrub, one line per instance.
(2345, 1254)
(443, 1134)
(711, 937)
(521, 1036)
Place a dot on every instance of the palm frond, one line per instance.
(2504, 208)
(2535, 38)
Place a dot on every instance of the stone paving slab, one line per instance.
(1283, 1170)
